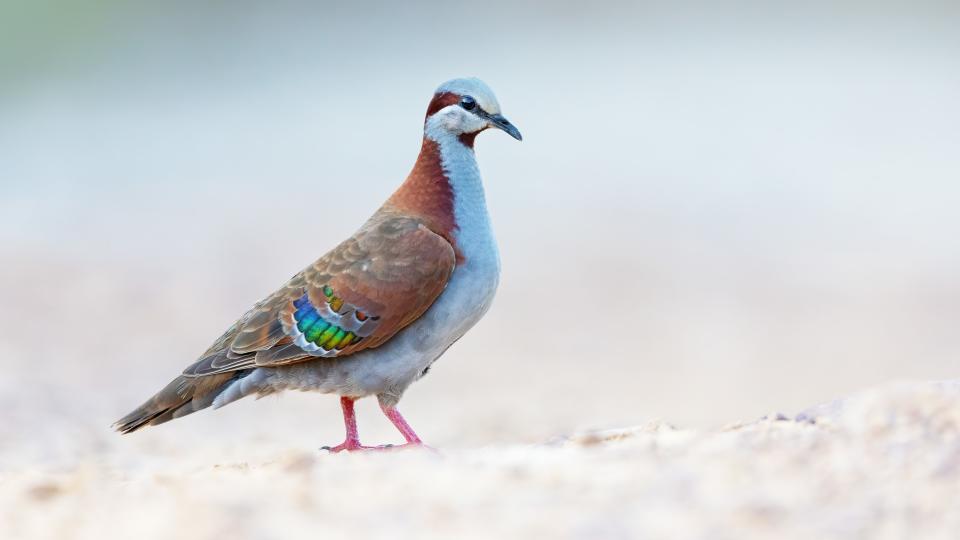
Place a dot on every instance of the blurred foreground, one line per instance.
(882, 465)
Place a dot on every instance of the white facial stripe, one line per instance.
(453, 119)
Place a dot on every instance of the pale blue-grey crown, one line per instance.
(475, 88)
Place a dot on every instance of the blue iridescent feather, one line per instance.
(318, 331)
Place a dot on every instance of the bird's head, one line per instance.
(463, 108)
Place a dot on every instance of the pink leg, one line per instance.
(352, 442)
(397, 419)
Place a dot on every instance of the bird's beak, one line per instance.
(500, 122)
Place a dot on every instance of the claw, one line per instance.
(353, 446)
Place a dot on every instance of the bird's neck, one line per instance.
(444, 189)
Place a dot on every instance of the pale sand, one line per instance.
(882, 465)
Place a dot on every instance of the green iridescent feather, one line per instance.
(336, 339)
(320, 332)
(326, 336)
(316, 330)
(308, 321)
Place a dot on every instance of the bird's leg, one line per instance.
(397, 419)
(352, 441)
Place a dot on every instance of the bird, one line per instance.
(370, 316)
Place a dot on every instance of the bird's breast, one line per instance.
(467, 296)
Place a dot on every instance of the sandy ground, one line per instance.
(883, 464)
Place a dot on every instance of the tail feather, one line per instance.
(184, 395)
(245, 386)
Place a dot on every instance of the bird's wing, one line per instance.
(355, 297)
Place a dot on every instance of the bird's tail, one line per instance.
(184, 395)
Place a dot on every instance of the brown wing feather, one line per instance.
(372, 285)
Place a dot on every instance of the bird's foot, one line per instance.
(355, 446)
(412, 445)
(349, 446)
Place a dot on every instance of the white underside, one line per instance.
(387, 370)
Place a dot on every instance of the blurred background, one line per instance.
(717, 211)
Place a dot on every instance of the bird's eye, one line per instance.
(468, 103)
